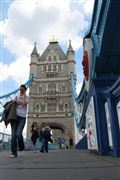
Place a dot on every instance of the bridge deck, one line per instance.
(59, 165)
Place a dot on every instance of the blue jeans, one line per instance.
(44, 146)
(17, 127)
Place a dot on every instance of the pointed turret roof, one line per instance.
(34, 49)
(70, 49)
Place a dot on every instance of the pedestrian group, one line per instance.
(15, 114)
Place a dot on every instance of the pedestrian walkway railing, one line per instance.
(9, 96)
(5, 143)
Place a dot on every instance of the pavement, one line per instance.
(69, 164)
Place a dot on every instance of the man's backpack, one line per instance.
(46, 133)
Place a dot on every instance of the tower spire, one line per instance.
(71, 58)
(70, 49)
(35, 49)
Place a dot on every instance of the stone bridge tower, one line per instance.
(50, 92)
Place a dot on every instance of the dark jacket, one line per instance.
(45, 134)
(9, 113)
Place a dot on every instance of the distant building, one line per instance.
(50, 92)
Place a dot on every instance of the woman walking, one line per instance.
(17, 125)
(35, 134)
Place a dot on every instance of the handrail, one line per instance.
(28, 82)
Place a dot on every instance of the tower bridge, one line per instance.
(51, 91)
(91, 118)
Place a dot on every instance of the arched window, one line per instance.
(66, 107)
(49, 67)
(54, 58)
(49, 58)
(54, 67)
(37, 108)
(40, 90)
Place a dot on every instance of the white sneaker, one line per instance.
(12, 156)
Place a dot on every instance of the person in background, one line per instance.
(62, 143)
(17, 125)
(59, 143)
(35, 134)
(46, 137)
(71, 143)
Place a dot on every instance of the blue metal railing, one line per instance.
(6, 97)
(15, 91)
(5, 143)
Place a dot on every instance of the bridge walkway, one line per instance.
(59, 165)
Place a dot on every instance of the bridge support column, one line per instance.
(115, 129)
(101, 124)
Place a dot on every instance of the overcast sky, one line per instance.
(23, 22)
